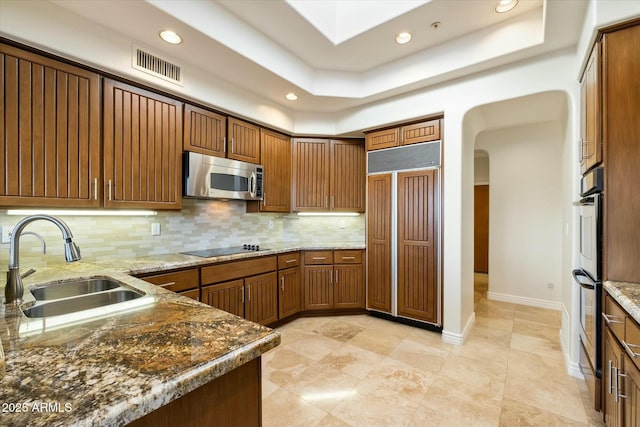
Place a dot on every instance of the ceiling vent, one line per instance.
(156, 66)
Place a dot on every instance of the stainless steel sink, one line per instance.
(81, 303)
(74, 288)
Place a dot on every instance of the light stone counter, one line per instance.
(111, 370)
(627, 295)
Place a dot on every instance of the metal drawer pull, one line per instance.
(282, 285)
(291, 260)
(319, 258)
(630, 347)
(109, 189)
(243, 294)
(348, 257)
(609, 319)
(164, 285)
(95, 188)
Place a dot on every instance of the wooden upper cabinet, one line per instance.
(244, 141)
(590, 127)
(328, 175)
(49, 132)
(421, 132)
(205, 132)
(347, 188)
(383, 139)
(275, 154)
(142, 148)
(310, 174)
(409, 134)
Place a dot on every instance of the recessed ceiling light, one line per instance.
(506, 5)
(291, 96)
(403, 38)
(170, 37)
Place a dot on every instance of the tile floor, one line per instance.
(365, 371)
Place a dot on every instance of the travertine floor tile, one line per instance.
(283, 408)
(365, 371)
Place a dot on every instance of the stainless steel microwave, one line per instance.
(212, 177)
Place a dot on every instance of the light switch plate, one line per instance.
(155, 229)
(6, 233)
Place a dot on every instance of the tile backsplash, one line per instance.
(199, 225)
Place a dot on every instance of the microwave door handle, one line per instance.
(253, 183)
(579, 273)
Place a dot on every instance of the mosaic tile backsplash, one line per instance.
(199, 225)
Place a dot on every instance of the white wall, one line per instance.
(481, 168)
(525, 212)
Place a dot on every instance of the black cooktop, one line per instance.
(208, 253)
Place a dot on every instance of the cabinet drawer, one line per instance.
(288, 260)
(614, 317)
(632, 338)
(237, 269)
(347, 257)
(176, 280)
(318, 257)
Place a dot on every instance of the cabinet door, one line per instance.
(142, 148)
(318, 287)
(290, 293)
(205, 132)
(275, 152)
(612, 405)
(631, 389)
(261, 298)
(383, 139)
(227, 296)
(590, 135)
(417, 249)
(348, 286)
(310, 175)
(379, 243)
(347, 174)
(244, 141)
(421, 132)
(49, 132)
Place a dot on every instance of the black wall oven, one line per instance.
(588, 276)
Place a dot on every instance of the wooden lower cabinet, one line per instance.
(261, 298)
(289, 292)
(333, 286)
(631, 389)
(612, 406)
(183, 282)
(234, 399)
(227, 296)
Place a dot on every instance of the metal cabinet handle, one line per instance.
(336, 277)
(264, 195)
(164, 285)
(282, 283)
(249, 297)
(609, 319)
(618, 394)
(95, 188)
(348, 257)
(609, 377)
(319, 258)
(224, 145)
(109, 189)
(629, 348)
(243, 294)
(331, 278)
(291, 260)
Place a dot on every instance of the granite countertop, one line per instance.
(113, 369)
(627, 295)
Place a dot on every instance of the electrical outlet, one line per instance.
(343, 223)
(155, 229)
(6, 233)
(270, 225)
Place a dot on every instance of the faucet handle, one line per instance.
(28, 273)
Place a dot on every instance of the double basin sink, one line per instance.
(86, 295)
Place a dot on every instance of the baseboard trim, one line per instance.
(458, 339)
(534, 302)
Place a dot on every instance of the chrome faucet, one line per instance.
(14, 290)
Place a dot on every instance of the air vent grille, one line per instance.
(154, 65)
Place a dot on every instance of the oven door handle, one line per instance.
(578, 274)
